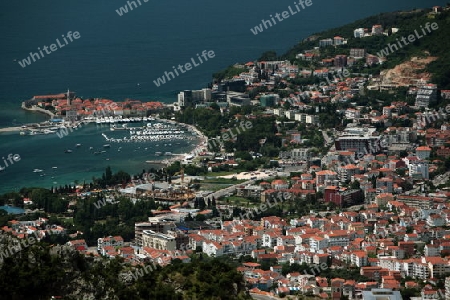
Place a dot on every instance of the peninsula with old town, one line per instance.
(323, 173)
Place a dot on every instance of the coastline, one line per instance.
(38, 109)
(201, 146)
(10, 129)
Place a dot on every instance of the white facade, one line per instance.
(358, 33)
(212, 249)
(418, 169)
(317, 243)
(352, 113)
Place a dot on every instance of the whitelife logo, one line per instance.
(35, 56)
(280, 17)
(124, 9)
(188, 66)
(11, 158)
(391, 48)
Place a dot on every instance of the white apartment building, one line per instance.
(352, 114)
(317, 243)
(337, 239)
(420, 270)
(158, 240)
(418, 169)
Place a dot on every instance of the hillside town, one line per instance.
(348, 197)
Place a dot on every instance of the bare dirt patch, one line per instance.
(408, 73)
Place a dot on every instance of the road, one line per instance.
(441, 179)
(228, 190)
(262, 297)
(232, 189)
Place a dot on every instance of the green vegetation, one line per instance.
(228, 73)
(97, 218)
(435, 43)
(110, 179)
(38, 272)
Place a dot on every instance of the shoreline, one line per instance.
(38, 109)
(203, 144)
(31, 109)
(10, 129)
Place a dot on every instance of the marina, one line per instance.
(53, 126)
(82, 146)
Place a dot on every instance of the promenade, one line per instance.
(38, 109)
(10, 129)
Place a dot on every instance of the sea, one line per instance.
(118, 57)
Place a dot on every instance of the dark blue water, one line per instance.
(118, 57)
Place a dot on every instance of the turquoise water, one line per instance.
(48, 153)
(12, 210)
(119, 57)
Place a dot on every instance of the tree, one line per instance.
(108, 175)
(200, 217)
(215, 106)
(355, 185)
(268, 55)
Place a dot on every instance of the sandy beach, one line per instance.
(10, 129)
(248, 175)
(201, 147)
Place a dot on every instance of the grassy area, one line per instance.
(222, 181)
(215, 184)
(240, 201)
(214, 187)
(222, 173)
(66, 220)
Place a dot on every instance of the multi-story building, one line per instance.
(386, 294)
(342, 197)
(312, 119)
(338, 41)
(249, 191)
(337, 239)
(153, 225)
(361, 144)
(359, 32)
(158, 240)
(447, 288)
(437, 265)
(351, 113)
(326, 42)
(423, 152)
(297, 154)
(269, 100)
(325, 175)
(418, 169)
(420, 270)
(416, 201)
(317, 243)
(340, 61)
(189, 97)
(359, 258)
(357, 52)
(436, 220)
(346, 172)
(426, 95)
(377, 29)
(113, 241)
(385, 185)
